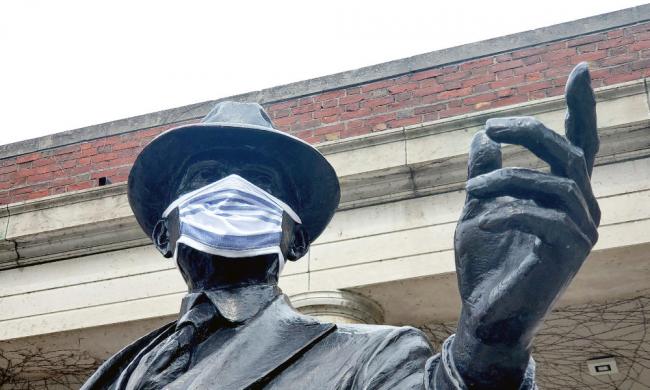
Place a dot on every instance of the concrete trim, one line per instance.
(367, 74)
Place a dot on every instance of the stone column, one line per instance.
(339, 307)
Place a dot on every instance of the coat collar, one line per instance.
(236, 305)
(258, 350)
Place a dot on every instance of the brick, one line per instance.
(429, 90)
(533, 51)
(536, 76)
(505, 74)
(103, 157)
(503, 57)
(589, 57)
(426, 74)
(516, 99)
(586, 39)
(620, 59)
(615, 42)
(371, 103)
(362, 112)
(453, 76)
(330, 119)
(506, 65)
(350, 99)
(81, 186)
(637, 28)
(285, 121)
(614, 34)
(531, 60)
(615, 51)
(329, 95)
(400, 97)
(477, 80)
(332, 136)
(587, 48)
(37, 194)
(326, 112)
(508, 82)
(481, 88)
(479, 63)
(375, 120)
(454, 93)
(355, 124)
(479, 98)
(505, 92)
(430, 117)
(307, 125)
(623, 77)
(306, 100)
(8, 169)
(87, 152)
(377, 85)
(640, 65)
(534, 86)
(352, 91)
(559, 54)
(454, 111)
(303, 109)
(282, 105)
(330, 103)
(643, 36)
(377, 93)
(641, 45)
(404, 122)
(67, 149)
(535, 95)
(281, 113)
(355, 132)
(328, 129)
(25, 158)
(399, 88)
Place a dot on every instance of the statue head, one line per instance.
(233, 139)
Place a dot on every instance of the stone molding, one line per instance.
(345, 306)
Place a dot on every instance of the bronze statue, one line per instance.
(231, 199)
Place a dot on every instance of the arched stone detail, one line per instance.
(339, 307)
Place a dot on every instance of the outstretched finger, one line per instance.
(580, 122)
(564, 158)
(484, 155)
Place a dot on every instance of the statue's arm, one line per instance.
(521, 238)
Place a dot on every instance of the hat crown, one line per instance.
(238, 113)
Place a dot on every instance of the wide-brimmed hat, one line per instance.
(152, 183)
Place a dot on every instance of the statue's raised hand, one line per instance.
(522, 236)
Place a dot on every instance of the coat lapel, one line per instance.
(258, 350)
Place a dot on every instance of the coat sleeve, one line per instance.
(441, 373)
(398, 362)
(104, 377)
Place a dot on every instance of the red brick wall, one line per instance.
(494, 81)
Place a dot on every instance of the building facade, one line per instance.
(78, 279)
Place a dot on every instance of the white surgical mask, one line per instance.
(232, 218)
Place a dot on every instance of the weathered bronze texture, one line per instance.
(521, 238)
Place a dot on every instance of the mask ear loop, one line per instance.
(160, 237)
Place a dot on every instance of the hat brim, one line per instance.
(151, 183)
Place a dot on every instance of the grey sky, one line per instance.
(68, 64)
